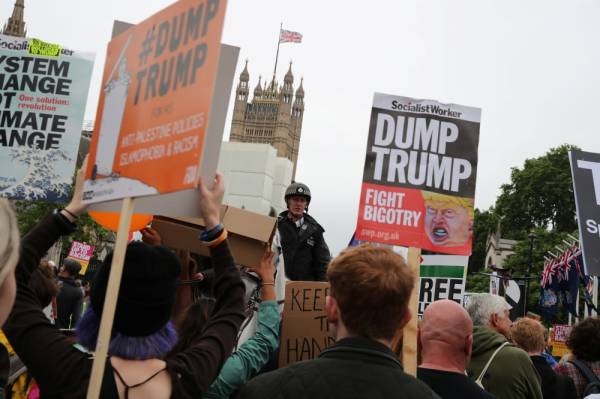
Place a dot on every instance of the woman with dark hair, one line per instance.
(142, 331)
(43, 284)
(584, 342)
(247, 361)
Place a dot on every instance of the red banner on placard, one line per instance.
(415, 218)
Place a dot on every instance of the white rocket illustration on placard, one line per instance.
(115, 98)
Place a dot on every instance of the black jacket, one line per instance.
(69, 302)
(305, 252)
(553, 385)
(352, 368)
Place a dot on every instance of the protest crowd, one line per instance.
(163, 347)
(198, 297)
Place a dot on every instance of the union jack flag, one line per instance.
(287, 36)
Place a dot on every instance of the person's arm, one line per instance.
(57, 366)
(38, 241)
(208, 276)
(266, 272)
(321, 258)
(254, 353)
(251, 357)
(196, 367)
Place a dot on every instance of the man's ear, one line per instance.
(493, 320)
(331, 310)
(406, 318)
(469, 345)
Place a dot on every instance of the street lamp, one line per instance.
(531, 237)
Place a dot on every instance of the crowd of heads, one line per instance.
(369, 294)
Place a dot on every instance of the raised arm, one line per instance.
(251, 357)
(56, 365)
(39, 240)
(196, 367)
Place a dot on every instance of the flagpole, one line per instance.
(277, 54)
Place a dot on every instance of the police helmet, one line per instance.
(298, 189)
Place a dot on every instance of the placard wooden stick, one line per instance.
(409, 343)
(110, 301)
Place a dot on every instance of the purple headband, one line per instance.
(155, 345)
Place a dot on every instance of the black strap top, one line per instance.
(109, 387)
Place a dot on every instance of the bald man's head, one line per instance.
(446, 331)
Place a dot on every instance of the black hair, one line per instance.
(584, 339)
(72, 267)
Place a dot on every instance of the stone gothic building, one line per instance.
(15, 26)
(274, 116)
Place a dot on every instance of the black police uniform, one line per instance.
(305, 252)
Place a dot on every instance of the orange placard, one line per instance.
(153, 110)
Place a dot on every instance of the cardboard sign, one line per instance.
(43, 91)
(585, 168)
(559, 349)
(558, 339)
(305, 331)
(419, 175)
(82, 253)
(247, 234)
(561, 332)
(153, 112)
(441, 277)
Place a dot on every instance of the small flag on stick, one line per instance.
(287, 36)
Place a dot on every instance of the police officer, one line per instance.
(305, 252)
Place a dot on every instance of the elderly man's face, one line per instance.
(446, 223)
(502, 323)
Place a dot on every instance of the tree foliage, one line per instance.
(477, 282)
(484, 223)
(539, 195)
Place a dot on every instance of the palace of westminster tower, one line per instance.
(274, 116)
(15, 26)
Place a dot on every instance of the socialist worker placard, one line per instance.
(43, 92)
(419, 176)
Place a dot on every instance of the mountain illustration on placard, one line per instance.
(41, 182)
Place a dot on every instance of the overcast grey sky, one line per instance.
(532, 66)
